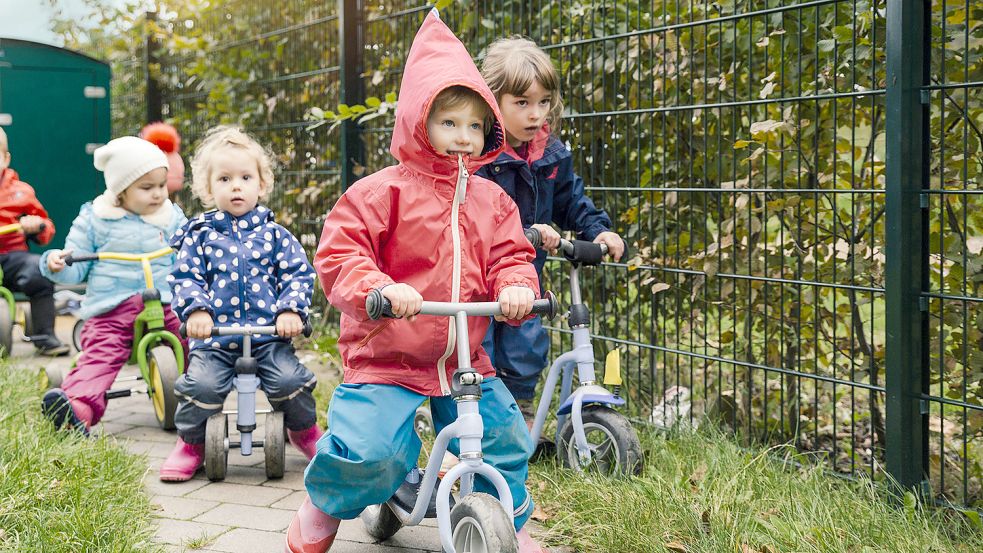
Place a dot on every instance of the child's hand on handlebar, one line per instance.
(56, 260)
(31, 224)
(199, 325)
(516, 302)
(289, 324)
(616, 246)
(551, 238)
(405, 300)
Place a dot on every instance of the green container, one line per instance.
(54, 107)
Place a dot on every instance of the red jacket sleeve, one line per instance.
(346, 260)
(32, 206)
(511, 253)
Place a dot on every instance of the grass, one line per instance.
(701, 492)
(60, 492)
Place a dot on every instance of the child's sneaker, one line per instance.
(447, 463)
(58, 408)
(311, 530)
(183, 462)
(50, 346)
(306, 440)
(527, 544)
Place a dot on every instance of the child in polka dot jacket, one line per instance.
(237, 266)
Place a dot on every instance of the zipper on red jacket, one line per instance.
(460, 191)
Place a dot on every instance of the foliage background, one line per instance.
(738, 144)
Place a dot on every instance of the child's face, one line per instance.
(457, 130)
(234, 181)
(147, 193)
(525, 114)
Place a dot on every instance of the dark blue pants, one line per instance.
(202, 389)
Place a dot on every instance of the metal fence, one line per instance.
(798, 182)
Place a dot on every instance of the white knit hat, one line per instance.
(124, 160)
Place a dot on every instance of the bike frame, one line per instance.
(581, 357)
(148, 327)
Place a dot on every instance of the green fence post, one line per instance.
(350, 31)
(906, 248)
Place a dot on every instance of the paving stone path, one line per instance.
(246, 513)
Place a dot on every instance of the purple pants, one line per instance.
(107, 340)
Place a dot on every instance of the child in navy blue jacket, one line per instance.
(236, 266)
(536, 170)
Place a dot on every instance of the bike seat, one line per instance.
(405, 497)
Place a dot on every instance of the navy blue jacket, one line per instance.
(546, 189)
(241, 270)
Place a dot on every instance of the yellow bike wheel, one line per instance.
(162, 367)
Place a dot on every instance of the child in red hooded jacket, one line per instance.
(426, 228)
(18, 204)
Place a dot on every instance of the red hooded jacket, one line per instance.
(16, 200)
(451, 235)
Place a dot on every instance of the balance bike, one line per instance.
(477, 521)
(157, 351)
(246, 381)
(590, 434)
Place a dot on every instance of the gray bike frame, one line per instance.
(468, 428)
(581, 356)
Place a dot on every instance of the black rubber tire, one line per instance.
(423, 422)
(380, 522)
(51, 377)
(616, 450)
(28, 326)
(6, 330)
(77, 334)
(163, 375)
(479, 524)
(274, 447)
(216, 454)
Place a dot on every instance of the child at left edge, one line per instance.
(236, 266)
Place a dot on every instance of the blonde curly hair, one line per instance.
(227, 136)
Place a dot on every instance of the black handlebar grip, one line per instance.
(75, 258)
(183, 330)
(378, 306)
(546, 307)
(534, 237)
(587, 253)
(308, 329)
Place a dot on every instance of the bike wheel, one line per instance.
(49, 377)
(162, 366)
(380, 522)
(274, 446)
(216, 452)
(6, 330)
(27, 322)
(614, 446)
(77, 334)
(423, 423)
(479, 524)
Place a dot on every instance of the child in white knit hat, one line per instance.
(133, 215)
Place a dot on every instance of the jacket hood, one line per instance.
(437, 60)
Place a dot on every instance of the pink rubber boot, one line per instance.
(311, 530)
(183, 462)
(306, 440)
(527, 544)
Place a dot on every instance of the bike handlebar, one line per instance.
(379, 306)
(244, 330)
(116, 256)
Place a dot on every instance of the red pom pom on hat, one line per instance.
(164, 136)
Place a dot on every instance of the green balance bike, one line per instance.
(157, 351)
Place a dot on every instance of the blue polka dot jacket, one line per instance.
(241, 270)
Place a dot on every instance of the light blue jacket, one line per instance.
(101, 227)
